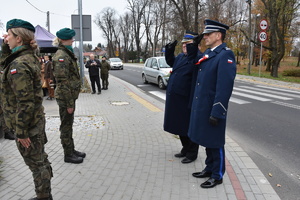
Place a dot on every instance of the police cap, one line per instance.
(188, 36)
(214, 26)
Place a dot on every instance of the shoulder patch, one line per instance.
(227, 48)
(13, 71)
(61, 60)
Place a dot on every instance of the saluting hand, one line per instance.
(198, 39)
(171, 45)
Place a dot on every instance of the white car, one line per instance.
(157, 71)
(115, 63)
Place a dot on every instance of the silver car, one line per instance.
(157, 71)
(115, 63)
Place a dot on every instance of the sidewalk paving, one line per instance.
(129, 156)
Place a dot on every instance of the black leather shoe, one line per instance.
(179, 155)
(202, 174)
(9, 136)
(211, 182)
(73, 159)
(99, 93)
(187, 160)
(93, 92)
(79, 154)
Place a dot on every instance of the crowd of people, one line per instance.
(197, 97)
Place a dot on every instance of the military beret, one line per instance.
(214, 26)
(188, 36)
(19, 23)
(65, 33)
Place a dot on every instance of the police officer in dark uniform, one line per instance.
(178, 97)
(68, 85)
(214, 85)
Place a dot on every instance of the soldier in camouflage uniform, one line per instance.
(8, 133)
(67, 90)
(105, 67)
(21, 99)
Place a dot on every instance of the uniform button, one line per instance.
(200, 70)
(198, 83)
(196, 97)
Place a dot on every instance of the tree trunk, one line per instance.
(298, 64)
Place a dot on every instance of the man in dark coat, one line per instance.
(214, 85)
(178, 97)
(94, 66)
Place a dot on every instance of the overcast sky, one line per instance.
(60, 13)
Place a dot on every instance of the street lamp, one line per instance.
(249, 31)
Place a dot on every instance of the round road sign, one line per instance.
(262, 36)
(263, 24)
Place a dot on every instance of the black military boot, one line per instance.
(79, 154)
(46, 198)
(9, 135)
(73, 159)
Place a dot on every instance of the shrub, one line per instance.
(291, 72)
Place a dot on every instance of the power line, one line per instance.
(46, 12)
(35, 7)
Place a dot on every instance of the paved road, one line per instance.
(263, 118)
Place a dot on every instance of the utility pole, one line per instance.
(81, 42)
(249, 31)
(48, 21)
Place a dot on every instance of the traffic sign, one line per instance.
(263, 24)
(262, 36)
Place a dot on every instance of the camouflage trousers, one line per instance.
(66, 127)
(104, 78)
(37, 160)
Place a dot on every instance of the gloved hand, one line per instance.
(197, 39)
(213, 121)
(171, 45)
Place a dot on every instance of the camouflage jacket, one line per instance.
(105, 67)
(21, 92)
(67, 76)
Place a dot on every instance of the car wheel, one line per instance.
(161, 84)
(144, 79)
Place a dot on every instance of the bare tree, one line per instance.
(106, 21)
(126, 27)
(188, 12)
(137, 9)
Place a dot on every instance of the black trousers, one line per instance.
(215, 162)
(189, 148)
(95, 79)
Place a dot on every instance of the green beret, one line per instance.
(65, 34)
(19, 23)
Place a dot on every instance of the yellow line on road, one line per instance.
(145, 103)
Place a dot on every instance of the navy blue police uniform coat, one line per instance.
(213, 89)
(179, 93)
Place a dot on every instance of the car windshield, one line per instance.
(115, 60)
(162, 63)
